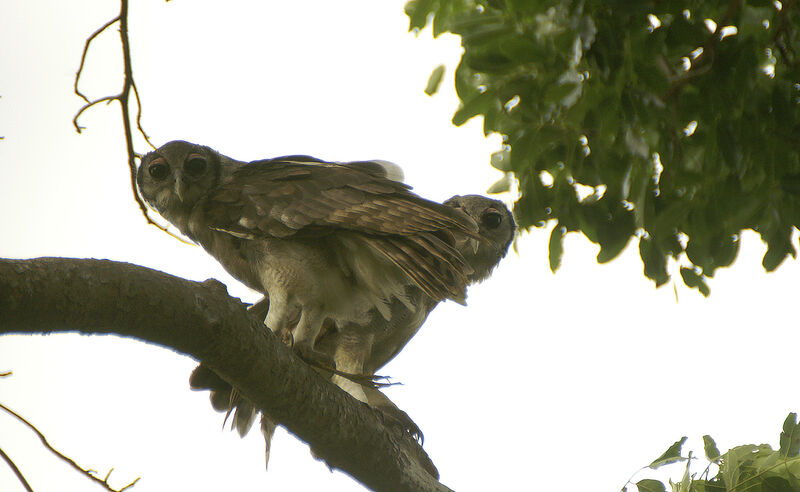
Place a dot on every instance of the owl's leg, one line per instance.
(305, 335)
(281, 317)
(349, 356)
(352, 350)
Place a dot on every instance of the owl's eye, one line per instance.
(158, 169)
(491, 219)
(195, 165)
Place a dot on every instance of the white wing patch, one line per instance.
(393, 171)
(240, 235)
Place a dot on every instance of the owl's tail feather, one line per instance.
(268, 430)
(225, 398)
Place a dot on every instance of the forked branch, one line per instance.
(124, 96)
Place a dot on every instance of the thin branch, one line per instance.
(139, 114)
(16, 471)
(106, 99)
(123, 97)
(85, 52)
(67, 459)
(166, 229)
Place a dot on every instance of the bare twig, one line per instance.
(139, 114)
(107, 100)
(68, 460)
(123, 98)
(83, 56)
(5, 374)
(16, 471)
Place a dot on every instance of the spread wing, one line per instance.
(300, 197)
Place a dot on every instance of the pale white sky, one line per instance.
(544, 382)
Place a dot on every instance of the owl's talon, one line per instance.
(313, 357)
(400, 420)
(286, 337)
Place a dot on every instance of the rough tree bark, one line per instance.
(47, 295)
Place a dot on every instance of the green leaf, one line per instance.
(671, 455)
(790, 437)
(728, 143)
(521, 49)
(557, 93)
(501, 160)
(441, 22)
(556, 247)
(489, 61)
(465, 82)
(648, 485)
(434, 80)
(418, 12)
(501, 186)
(694, 281)
(779, 246)
(710, 447)
(766, 459)
(684, 35)
(777, 484)
(612, 249)
(479, 104)
(654, 259)
(686, 482)
(733, 460)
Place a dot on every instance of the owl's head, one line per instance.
(174, 177)
(495, 222)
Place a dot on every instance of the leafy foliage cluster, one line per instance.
(743, 468)
(674, 122)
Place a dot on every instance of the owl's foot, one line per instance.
(313, 357)
(286, 337)
(398, 419)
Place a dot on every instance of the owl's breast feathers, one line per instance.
(346, 209)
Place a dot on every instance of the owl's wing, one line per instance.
(300, 197)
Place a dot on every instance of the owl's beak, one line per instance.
(179, 189)
(475, 245)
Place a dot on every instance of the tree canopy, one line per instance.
(674, 123)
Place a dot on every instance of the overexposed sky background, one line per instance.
(545, 382)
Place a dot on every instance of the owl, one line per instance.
(364, 349)
(495, 223)
(330, 244)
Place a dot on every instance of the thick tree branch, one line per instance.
(47, 295)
